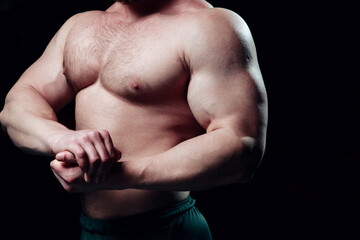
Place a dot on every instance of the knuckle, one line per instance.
(82, 138)
(80, 154)
(105, 159)
(94, 135)
(52, 164)
(104, 132)
(112, 155)
(82, 164)
(94, 160)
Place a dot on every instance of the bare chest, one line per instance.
(137, 61)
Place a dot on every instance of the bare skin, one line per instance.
(169, 99)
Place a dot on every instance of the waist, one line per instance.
(128, 202)
(156, 215)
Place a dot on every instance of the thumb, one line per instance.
(65, 156)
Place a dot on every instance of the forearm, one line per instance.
(210, 160)
(30, 121)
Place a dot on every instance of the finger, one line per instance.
(68, 173)
(105, 163)
(105, 169)
(117, 154)
(86, 178)
(53, 165)
(58, 177)
(66, 156)
(108, 143)
(93, 161)
(65, 170)
(80, 156)
(107, 154)
(57, 168)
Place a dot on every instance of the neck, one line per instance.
(136, 10)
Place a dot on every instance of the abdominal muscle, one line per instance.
(136, 131)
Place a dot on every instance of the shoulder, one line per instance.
(82, 18)
(88, 15)
(214, 21)
(76, 21)
(217, 32)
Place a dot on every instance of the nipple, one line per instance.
(136, 86)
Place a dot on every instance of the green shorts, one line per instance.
(180, 221)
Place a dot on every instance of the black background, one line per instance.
(308, 183)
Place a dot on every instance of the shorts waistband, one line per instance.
(132, 223)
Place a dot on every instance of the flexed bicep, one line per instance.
(226, 88)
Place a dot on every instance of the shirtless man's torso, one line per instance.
(141, 78)
(174, 86)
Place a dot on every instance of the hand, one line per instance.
(69, 175)
(92, 150)
(71, 178)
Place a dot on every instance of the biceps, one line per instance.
(234, 101)
(46, 77)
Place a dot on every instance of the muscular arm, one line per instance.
(29, 112)
(29, 115)
(227, 97)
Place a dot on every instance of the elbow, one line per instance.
(249, 159)
(2, 121)
(245, 176)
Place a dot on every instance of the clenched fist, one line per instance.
(92, 150)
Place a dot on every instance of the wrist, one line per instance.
(127, 174)
(53, 139)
